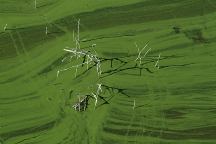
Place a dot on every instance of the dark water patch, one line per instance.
(143, 106)
(130, 74)
(102, 18)
(36, 35)
(190, 109)
(42, 5)
(173, 48)
(53, 65)
(23, 6)
(196, 35)
(114, 54)
(124, 99)
(120, 116)
(125, 104)
(175, 65)
(28, 139)
(25, 39)
(11, 7)
(137, 13)
(126, 115)
(35, 129)
(109, 141)
(204, 98)
(11, 79)
(212, 39)
(17, 98)
(108, 37)
(212, 110)
(176, 29)
(168, 36)
(7, 49)
(204, 133)
(137, 91)
(200, 88)
(124, 123)
(173, 113)
(30, 97)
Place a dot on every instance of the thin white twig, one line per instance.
(58, 73)
(139, 57)
(99, 89)
(134, 105)
(79, 103)
(157, 62)
(46, 30)
(95, 96)
(146, 53)
(73, 36)
(76, 71)
(136, 45)
(5, 27)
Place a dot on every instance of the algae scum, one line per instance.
(102, 72)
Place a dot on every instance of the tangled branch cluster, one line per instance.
(90, 60)
(88, 57)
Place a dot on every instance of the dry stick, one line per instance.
(57, 75)
(111, 63)
(95, 96)
(134, 105)
(136, 45)
(87, 62)
(5, 27)
(99, 89)
(157, 63)
(76, 71)
(79, 103)
(46, 30)
(77, 43)
(146, 52)
(85, 104)
(139, 54)
(35, 4)
(73, 36)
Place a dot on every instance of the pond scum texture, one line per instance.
(107, 72)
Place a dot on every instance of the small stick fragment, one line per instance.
(134, 105)
(95, 96)
(157, 62)
(46, 30)
(35, 4)
(5, 27)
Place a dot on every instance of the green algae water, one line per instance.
(168, 97)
